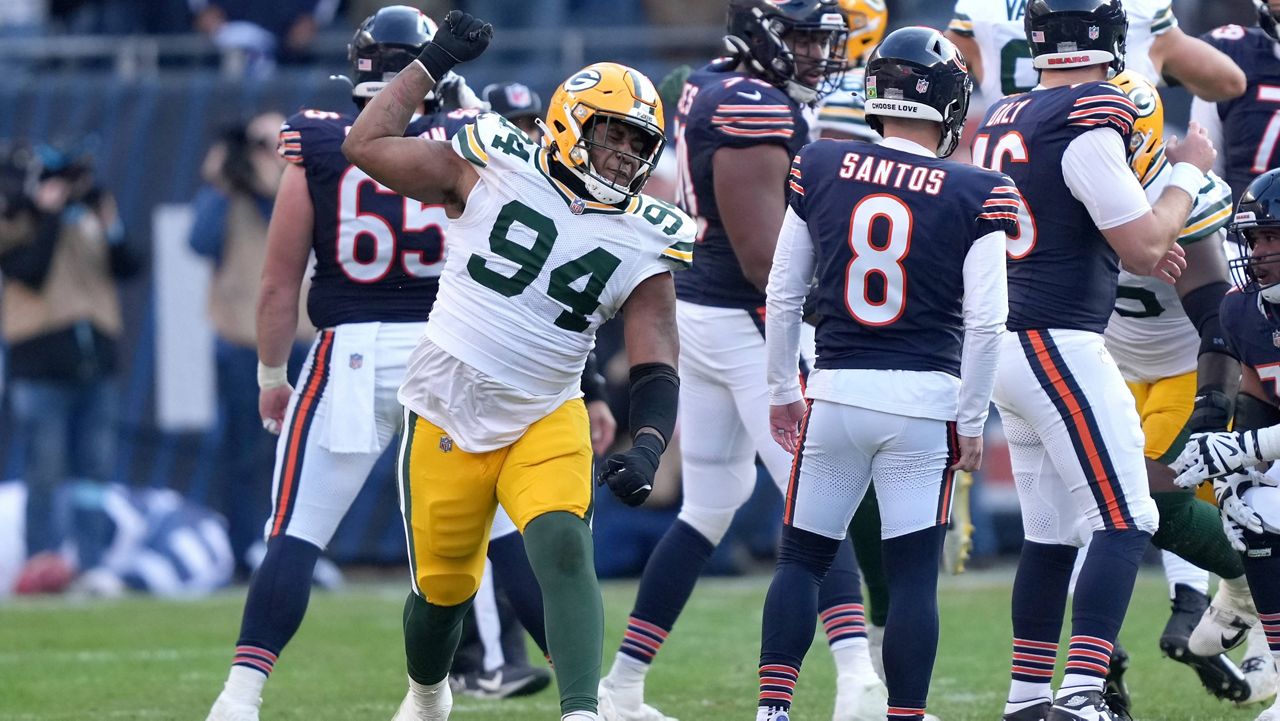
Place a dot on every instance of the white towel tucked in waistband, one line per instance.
(352, 389)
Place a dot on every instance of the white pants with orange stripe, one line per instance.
(1075, 440)
(346, 390)
(724, 413)
(843, 447)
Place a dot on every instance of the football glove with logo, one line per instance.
(1213, 455)
(461, 37)
(630, 474)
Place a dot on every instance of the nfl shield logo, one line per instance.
(1093, 32)
(577, 206)
(922, 85)
(518, 95)
(356, 361)
(1275, 338)
(446, 444)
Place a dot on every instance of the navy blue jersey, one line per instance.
(891, 230)
(1062, 272)
(718, 109)
(378, 254)
(1249, 122)
(1253, 338)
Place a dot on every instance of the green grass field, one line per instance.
(148, 659)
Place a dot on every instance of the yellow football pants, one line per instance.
(448, 496)
(1165, 407)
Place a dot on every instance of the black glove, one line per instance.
(1211, 413)
(461, 37)
(630, 474)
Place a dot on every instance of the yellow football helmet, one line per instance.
(867, 20)
(1146, 145)
(605, 93)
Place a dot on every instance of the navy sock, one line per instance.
(911, 630)
(665, 587)
(1263, 572)
(1101, 599)
(840, 599)
(514, 578)
(277, 601)
(1039, 603)
(790, 608)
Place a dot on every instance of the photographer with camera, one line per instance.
(62, 251)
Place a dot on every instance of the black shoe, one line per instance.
(1219, 674)
(1082, 706)
(1116, 691)
(1035, 712)
(505, 682)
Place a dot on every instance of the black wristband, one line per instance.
(1212, 412)
(651, 446)
(436, 60)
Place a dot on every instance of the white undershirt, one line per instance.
(918, 394)
(1095, 167)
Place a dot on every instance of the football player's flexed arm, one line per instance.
(428, 171)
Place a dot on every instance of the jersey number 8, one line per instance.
(882, 262)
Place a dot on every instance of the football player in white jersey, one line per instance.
(1167, 341)
(990, 33)
(547, 242)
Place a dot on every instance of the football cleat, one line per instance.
(1259, 668)
(1116, 692)
(860, 698)
(1271, 714)
(772, 714)
(225, 709)
(1225, 623)
(579, 716)
(1082, 706)
(626, 705)
(1034, 712)
(1219, 674)
(958, 544)
(506, 682)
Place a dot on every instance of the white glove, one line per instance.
(1228, 490)
(1213, 455)
(1234, 534)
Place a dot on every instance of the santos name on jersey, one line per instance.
(1150, 335)
(997, 27)
(533, 270)
(378, 254)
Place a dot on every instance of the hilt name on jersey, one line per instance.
(892, 173)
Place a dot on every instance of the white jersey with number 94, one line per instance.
(532, 271)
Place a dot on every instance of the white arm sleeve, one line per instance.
(793, 261)
(1095, 167)
(986, 306)
(1206, 113)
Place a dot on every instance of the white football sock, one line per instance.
(1025, 693)
(244, 685)
(627, 672)
(428, 695)
(1178, 570)
(853, 658)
